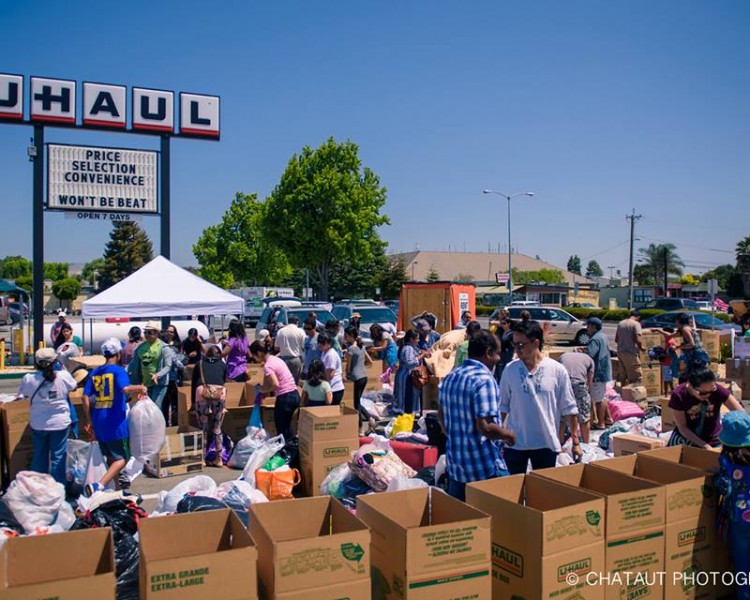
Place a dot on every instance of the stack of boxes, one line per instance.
(738, 369)
(182, 453)
(328, 435)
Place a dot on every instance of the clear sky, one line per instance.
(597, 107)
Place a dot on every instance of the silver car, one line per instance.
(564, 326)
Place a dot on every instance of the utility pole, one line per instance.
(632, 218)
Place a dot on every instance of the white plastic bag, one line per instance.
(333, 484)
(96, 468)
(200, 485)
(405, 483)
(261, 456)
(239, 486)
(77, 461)
(132, 469)
(34, 499)
(245, 448)
(147, 429)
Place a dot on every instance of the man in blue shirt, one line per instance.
(598, 349)
(470, 413)
(105, 400)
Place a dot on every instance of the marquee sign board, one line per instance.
(54, 101)
(91, 178)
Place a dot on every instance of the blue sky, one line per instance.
(597, 107)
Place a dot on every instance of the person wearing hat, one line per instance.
(47, 390)
(427, 335)
(54, 332)
(152, 363)
(105, 411)
(733, 483)
(598, 350)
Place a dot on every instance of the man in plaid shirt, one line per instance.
(470, 414)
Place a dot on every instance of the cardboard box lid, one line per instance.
(328, 423)
(631, 503)
(698, 458)
(45, 558)
(192, 534)
(554, 516)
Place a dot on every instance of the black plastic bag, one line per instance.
(427, 474)
(290, 453)
(191, 504)
(355, 486)
(122, 516)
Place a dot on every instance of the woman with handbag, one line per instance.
(50, 413)
(696, 408)
(406, 396)
(209, 376)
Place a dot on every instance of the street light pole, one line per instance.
(509, 197)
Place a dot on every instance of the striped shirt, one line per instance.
(469, 393)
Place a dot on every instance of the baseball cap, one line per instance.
(735, 429)
(595, 321)
(45, 356)
(262, 334)
(111, 347)
(154, 325)
(61, 312)
(356, 315)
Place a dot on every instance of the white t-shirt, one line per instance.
(332, 360)
(290, 341)
(535, 404)
(49, 406)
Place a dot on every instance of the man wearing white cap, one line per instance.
(57, 326)
(105, 399)
(152, 363)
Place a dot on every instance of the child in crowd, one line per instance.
(734, 487)
(316, 391)
(670, 360)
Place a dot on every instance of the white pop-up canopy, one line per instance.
(162, 289)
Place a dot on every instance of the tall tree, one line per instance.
(593, 269)
(743, 246)
(127, 250)
(541, 276)
(14, 267)
(326, 209)
(66, 288)
(721, 274)
(55, 270)
(393, 277)
(236, 250)
(643, 275)
(657, 256)
(91, 270)
(574, 264)
(349, 279)
(432, 275)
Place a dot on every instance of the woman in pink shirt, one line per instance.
(279, 381)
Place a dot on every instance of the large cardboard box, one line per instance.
(67, 566)
(711, 342)
(650, 338)
(426, 544)
(698, 458)
(311, 548)
(317, 459)
(236, 397)
(633, 393)
(624, 444)
(235, 422)
(325, 423)
(652, 378)
(738, 369)
(689, 548)
(181, 453)
(201, 556)
(542, 532)
(87, 362)
(667, 418)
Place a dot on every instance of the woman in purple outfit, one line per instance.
(236, 352)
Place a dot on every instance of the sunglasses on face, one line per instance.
(705, 392)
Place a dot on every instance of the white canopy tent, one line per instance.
(162, 289)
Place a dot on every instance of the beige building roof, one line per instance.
(482, 266)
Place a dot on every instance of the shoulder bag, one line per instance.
(211, 391)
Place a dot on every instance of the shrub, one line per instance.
(484, 311)
(615, 315)
(650, 312)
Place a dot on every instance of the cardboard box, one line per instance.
(235, 422)
(181, 453)
(542, 531)
(698, 458)
(325, 423)
(633, 393)
(426, 544)
(66, 566)
(632, 504)
(667, 418)
(87, 362)
(317, 459)
(200, 555)
(310, 548)
(711, 342)
(689, 548)
(652, 378)
(649, 338)
(685, 488)
(617, 372)
(630, 443)
(634, 563)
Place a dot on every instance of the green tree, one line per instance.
(743, 247)
(432, 275)
(66, 288)
(721, 274)
(236, 249)
(55, 270)
(736, 286)
(326, 209)
(25, 282)
(91, 269)
(14, 267)
(540, 276)
(392, 278)
(690, 279)
(574, 264)
(127, 250)
(593, 269)
(350, 279)
(656, 256)
(643, 275)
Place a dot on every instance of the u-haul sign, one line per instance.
(91, 178)
(105, 105)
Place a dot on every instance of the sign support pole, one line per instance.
(164, 237)
(38, 238)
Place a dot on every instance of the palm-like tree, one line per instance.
(743, 247)
(657, 256)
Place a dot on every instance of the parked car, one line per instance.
(369, 315)
(393, 305)
(359, 302)
(254, 307)
(564, 326)
(276, 315)
(702, 320)
(14, 311)
(4, 310)
(581, 305)
(704, 305)
(671, 304)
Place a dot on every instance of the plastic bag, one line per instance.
(96, 468)
(201, 485)
(240, 488)
(278, 484)
(131, 470)
(333, 484)
(192, 503)
(8, 520)
(245, 448)
(261, 456)
(34, 499)
(377, 465)
(402, 424)
(77, 461)
(147, 429)
(405, 483)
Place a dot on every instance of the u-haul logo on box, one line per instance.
(339, 452)
(691, 536)
(580, 567)
(506, 559)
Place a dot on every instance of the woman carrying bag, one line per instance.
(50, 415)
(209, 376)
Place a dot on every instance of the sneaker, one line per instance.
(90, 488)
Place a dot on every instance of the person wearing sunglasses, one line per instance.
(696, 408)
